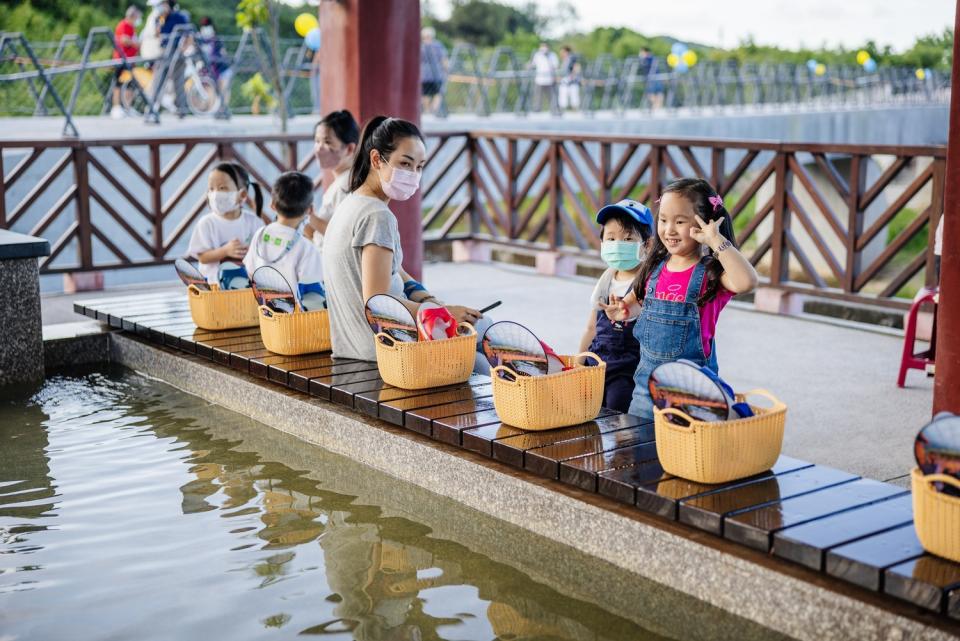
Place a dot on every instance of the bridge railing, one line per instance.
(838, 221)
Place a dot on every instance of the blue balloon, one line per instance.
(812, 64)
(870, 65)
(312, 39)
(681, 67)
(678, 48)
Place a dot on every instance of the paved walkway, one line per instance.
(839, 382)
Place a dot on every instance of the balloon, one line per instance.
(811, 64)
(305, 23)
(673, 60)
(862, 57)
(678, 48)
(312, 39)
(870, 65)
(682, 67)
(920, 74)
(690, 57)
(820, 69)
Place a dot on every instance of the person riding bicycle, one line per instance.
(173, 19)
(212, 46)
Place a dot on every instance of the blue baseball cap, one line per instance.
(637, 211)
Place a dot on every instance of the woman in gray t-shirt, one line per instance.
(362, 255)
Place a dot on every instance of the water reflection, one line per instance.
(256, 542)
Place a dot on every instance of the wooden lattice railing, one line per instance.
(851, 222)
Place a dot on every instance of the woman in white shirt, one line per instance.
(335, 141)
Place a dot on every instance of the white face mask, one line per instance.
(402, 183)
(206, 32)
(222, 202)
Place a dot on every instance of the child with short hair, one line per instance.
(281, 245)
(691, 272)
(625, 228)
(225, 233)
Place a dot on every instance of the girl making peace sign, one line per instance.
(692, 271)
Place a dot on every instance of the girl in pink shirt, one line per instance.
(692, 271)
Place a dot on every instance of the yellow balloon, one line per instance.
(690, 57)
(305, 23)
(862, 56)
(673, 60)
(820, 69)
(920, 74)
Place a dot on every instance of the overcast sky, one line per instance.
(786, 23)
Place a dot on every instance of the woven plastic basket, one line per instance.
(297, 333)
(222, 309)
(555, 400)
(721, 451)
(936, 516)
(426, 363)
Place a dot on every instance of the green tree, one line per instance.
(265, 15)
(485, 24)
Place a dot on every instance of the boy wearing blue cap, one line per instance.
(625, 228)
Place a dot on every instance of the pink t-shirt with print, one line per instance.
(672, 286)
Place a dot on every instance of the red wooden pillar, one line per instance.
(371, 65)
(946, 387)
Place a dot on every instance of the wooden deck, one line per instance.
(852, 529)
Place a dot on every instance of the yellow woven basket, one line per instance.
(555, 400)
(721, 451)
(426, 363)
(936, 516)
(297, 333)
(222, 309)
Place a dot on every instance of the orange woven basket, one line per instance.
(555, 400)
(426, 364)
(222, 309)
(936, 515)
(297, 333)
(721, 451)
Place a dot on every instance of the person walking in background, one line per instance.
(648, 68)
(127, 46)
(545, 65)
(433, 69)
(570, 77)
(173, 19)
(212, 46)
(150, 48)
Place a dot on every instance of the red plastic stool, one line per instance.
(918, 360)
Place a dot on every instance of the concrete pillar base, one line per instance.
(82, 282)
(556, 264)
(471, 251)
(775, 301)
(21, 351)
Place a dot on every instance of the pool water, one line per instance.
(131, 510)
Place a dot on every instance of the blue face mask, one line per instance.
(623, 255)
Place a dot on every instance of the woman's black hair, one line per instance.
(698, 192)
(383, 134)
(242, 180)
(343, 126)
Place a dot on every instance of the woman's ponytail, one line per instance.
(257, 199)
(383, 134)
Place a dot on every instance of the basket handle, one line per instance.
(472, 331)
(942, 478)
(193, 290)
(577, 357)
(681, 414)
(777, 403)
(383, 337)
(495, 373)
(267, 314)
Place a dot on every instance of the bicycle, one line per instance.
(199, 86)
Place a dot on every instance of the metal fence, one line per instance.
(77, 76)
(841, 221)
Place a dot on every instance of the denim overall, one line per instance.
(615, 344)
(667, 331)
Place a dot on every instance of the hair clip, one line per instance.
(716, 201)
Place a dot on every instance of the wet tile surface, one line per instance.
(545, 461)
(927, 581)
(510, 450)
(807, 544)
(862, 562)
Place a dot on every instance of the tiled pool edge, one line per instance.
(761, 594)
